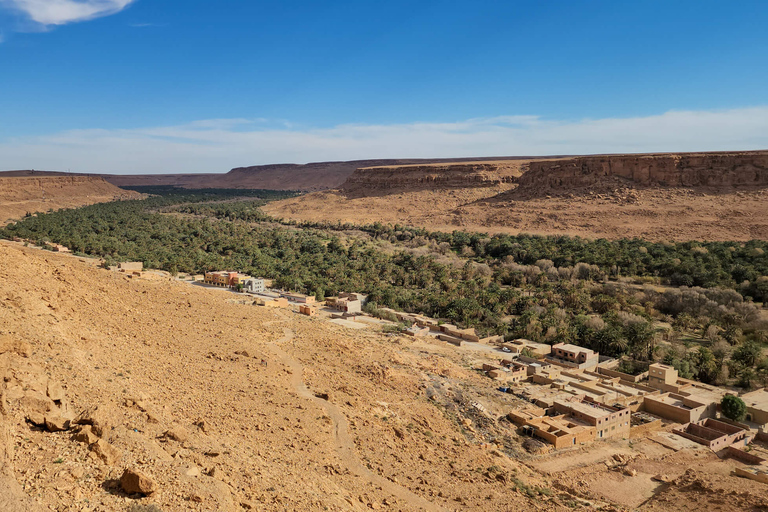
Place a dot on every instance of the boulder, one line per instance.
(55, 423)
(106, 452)
(134, 481)
(95, 417)
(36, 418)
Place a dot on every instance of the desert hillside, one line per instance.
(712, 196)
(207, 402)
(217, 402)
(28, 194)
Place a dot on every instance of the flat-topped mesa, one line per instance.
(387, 179)
(22, 195)
(747, 169)
(49, 187)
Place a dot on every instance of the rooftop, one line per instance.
(589, 409)
(756, 399)
(568, 347)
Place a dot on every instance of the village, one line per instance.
(572, 396)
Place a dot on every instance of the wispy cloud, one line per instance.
(146, 25)
(216, 145)
(61, 12)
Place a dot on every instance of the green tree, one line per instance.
(733, 407)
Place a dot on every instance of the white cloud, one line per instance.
(61, 12)
(216, 145)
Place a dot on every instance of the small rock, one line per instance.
(661, 478)
(37, 419)
(202, 425)
(630, 472)
(179, 434)
(196, 498)
(136, 482)
(106, 452)
(55, 391)
(85, 435)
(11, 344)
(399, 433)
(56, 423)
(192, 471)
(95, 417)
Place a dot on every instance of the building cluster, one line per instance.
(235, 280)
(573, 398)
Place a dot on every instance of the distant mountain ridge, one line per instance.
(308, 177)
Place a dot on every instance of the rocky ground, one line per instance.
(146, 394)
(222, 406)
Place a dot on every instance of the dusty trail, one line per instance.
(345, 447)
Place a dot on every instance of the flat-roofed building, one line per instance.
(661, 376)
(715, 434)
(678, 408)
(537, 350)
(254, 285)
(757, 406)
(560, 431)
(344, 305)
(575, 356)
(299, 298)
(608, 420)
(308, 310)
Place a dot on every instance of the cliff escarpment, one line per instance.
(308, 177)
(715, 170)
(21, 195)
(460, 175)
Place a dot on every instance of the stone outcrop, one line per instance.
(390, 179)
(722, 170)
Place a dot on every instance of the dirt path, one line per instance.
(345, 447)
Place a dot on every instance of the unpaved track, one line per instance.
(345, 447)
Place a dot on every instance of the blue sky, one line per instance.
(201, 86)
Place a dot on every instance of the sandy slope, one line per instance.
(156, 355)
(227, 406)
(653, 214)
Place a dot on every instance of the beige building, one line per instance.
(757, 406)
(661, 376)
(574, 356)
(574, 421)
(608, 420)
(344, 304)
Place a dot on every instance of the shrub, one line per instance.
(733, 407)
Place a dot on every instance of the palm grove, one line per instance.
(692, 305)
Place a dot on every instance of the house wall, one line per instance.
(672, 412)
(622, 375)
(743, 456)
(450, 339)
(758, 416)
(644, 429)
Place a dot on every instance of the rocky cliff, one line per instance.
(390, 179)
(19, 195)
(721, 170)
(307, 177)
